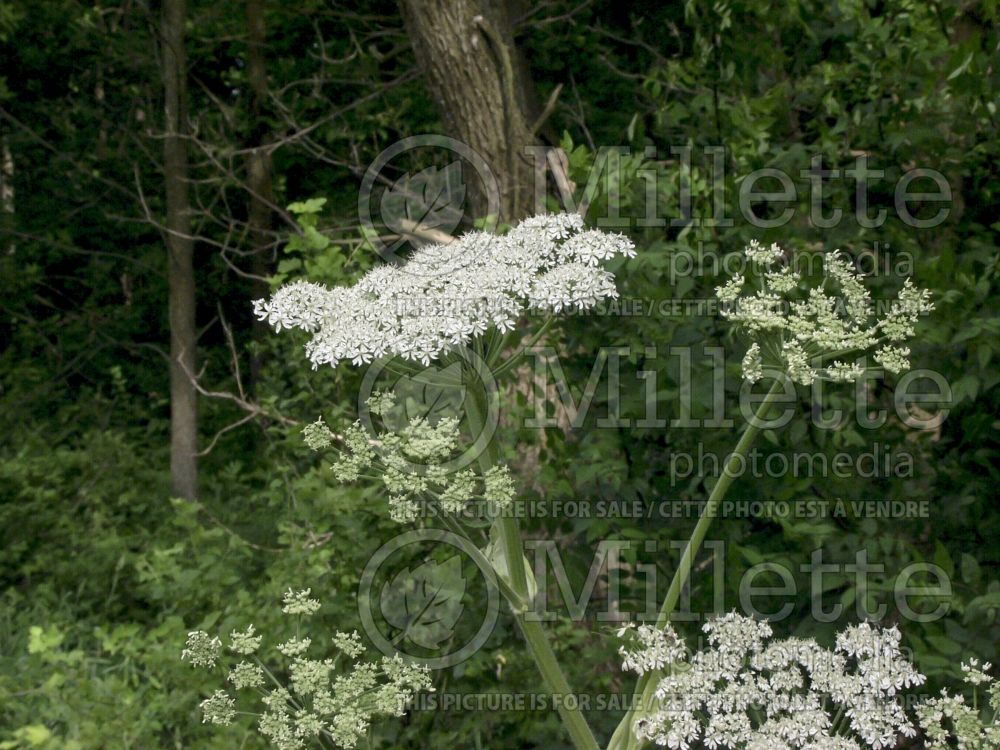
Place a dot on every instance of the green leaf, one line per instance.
(315, 240)
(971, 573)
(961, 68)
(42, 640)
(942, 558)
(966, 386)
(310, 206)
(32, 735)
(983, 354)
(286, 265)
(943, 645)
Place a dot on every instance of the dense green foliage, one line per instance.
(102, 574)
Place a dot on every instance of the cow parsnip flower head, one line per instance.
(808, 333)
(334, 700)
(745, 691)
(445, 295)
(299, 603)
(949, 721)
(202, 650)
(412, 463)
(650, 648)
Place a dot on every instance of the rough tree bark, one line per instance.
(180, 257)
(259, 168)
(466, 51)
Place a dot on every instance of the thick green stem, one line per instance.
(709, 512)
(513, 598)
(555, 681)
(477, 406)
(477, 410)
(624, 737)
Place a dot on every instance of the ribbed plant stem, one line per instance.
(624, 738)
(736, 458)
(477, 404)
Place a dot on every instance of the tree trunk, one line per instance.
(180, 264)
(466, 52)
(259, 170)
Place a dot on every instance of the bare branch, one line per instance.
(550, 107)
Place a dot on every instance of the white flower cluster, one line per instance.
(332, 700)
(349, 643)
(800, 334)
(445, 295)
(202, 650)
(949, 721)
(651, 648)
(743, 692)
(244, 643)
(299, 603)
(411, 464)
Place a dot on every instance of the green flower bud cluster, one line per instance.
(948, 721)
(326, 700)
(803, 331)
(412, 463)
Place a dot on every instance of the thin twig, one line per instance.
(549, 108)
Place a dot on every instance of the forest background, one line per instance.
(160, 167)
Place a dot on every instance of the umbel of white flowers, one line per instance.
(445, 295)
(950, 722)
(743, 692)
(799, 333)
(335, 699)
